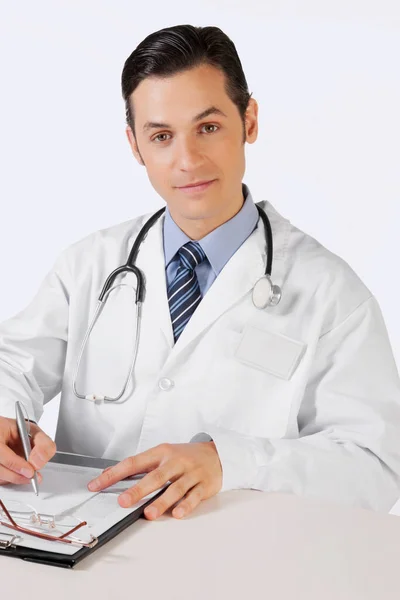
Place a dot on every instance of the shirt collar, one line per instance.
(221, 243)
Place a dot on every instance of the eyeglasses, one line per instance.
(24, 518)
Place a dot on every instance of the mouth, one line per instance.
(196, 188)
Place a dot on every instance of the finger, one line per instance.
(189, 503)
(129, 466)
(8, 476)
(129, 476)
(43, 449)
(153, 481)
(174, 492)
(13, 462)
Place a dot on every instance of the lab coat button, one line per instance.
(165, 384)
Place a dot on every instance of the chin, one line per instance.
(198, 212)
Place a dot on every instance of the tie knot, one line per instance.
(191, 254)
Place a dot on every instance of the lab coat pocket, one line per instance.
(257, 385)
(270, 351)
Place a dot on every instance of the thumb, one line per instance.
(43, 448)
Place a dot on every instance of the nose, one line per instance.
(188, 155)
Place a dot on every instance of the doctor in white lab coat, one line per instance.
(302, 397)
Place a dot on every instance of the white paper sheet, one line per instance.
(64, 491)
(63, 487)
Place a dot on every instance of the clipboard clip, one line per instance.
(8, 541)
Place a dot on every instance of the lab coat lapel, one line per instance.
(238, 276)
(235, 280)
(151, 261)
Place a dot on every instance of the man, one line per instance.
(302, 397)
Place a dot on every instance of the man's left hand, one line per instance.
(193, 469)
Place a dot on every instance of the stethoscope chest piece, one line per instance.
(265, 293)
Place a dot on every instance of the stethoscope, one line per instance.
(265, 293)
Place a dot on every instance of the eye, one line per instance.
(158, 135)
(210, 125)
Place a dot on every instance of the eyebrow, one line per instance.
(213, 110)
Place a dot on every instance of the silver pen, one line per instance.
(23, 432)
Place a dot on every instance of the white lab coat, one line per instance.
(303, 397)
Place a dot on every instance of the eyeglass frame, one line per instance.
(73, 541)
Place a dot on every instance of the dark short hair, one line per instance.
(180, 48)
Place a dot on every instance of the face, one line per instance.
(188, 130)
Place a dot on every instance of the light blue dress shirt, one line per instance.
(219, 245)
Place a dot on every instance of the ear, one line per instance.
(133, 145)
(251, 121)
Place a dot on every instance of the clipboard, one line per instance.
(68, 561)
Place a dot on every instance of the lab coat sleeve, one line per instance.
(348, 446)
(33, 346)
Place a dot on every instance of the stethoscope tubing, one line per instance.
(130, 267)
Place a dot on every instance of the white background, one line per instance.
(327, 79)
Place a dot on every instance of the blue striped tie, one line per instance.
(184, 292)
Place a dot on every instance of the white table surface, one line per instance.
(239, 544)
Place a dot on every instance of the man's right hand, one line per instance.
(13, 467)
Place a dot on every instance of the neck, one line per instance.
(196, 229)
